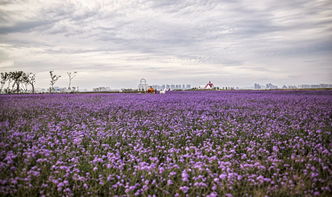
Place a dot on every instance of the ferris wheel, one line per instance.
(143, 86)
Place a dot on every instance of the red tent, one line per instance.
(209, 85)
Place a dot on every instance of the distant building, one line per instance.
(315, 86)
(292, 87)
(257, 86)
(101, 89)
(171, 86)
(157, 87)
(304, 86)
(326, 85)
(271, 86)
(59, 90)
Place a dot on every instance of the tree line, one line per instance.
(19, 81)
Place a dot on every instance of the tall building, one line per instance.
(304, 86)
(172, 86)
(257, 86)
(156, 87)
(292, 87)
(271, 86)
(101, 89)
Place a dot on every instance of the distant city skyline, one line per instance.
(255, 86)
(116, 43)
(62, 86)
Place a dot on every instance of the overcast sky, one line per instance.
(117, 42)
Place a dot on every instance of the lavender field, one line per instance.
(218, 143)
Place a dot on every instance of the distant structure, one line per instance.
(101, 89)
(257, 86)
(151, 90)
(59, 90)
(288, 87)
(268, 86)
(172, 87)
(142, 86)
(307, 86)
(209, 85)
(271, 86)
(292, 87)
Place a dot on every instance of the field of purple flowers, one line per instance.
(219, 143)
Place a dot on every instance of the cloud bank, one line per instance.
(115, 43)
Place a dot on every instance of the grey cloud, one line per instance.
(302, 49)
(103, 67)
(23, 26)
(5, 2)
(232, 34)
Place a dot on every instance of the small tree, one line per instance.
(32, 81)
(54, 78)
(71, 77)
(18, 78)
(4, 78)
(9, 79)
(25, 81)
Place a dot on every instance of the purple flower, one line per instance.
(185, 176)
(213, 194)
(184, 189)
(222, 176)
(211, 141)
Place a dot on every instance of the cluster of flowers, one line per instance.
(218, 143)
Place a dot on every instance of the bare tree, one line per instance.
(10, 79)
(25, 81)
(54, 78)
(18, 77)
(32, 81)
(4, 78)
(71, 77)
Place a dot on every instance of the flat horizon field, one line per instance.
(201, 143)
